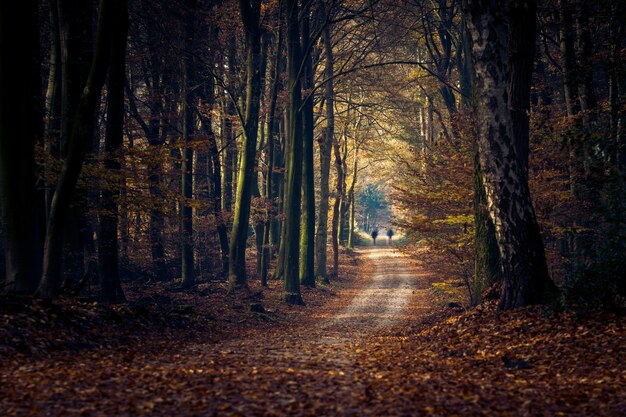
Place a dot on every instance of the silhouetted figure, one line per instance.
(389, 235)
(374, 235)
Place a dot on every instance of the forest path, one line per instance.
(315, 366)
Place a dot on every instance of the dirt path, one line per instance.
(311, 368)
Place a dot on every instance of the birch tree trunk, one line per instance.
(525, 272)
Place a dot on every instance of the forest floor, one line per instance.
(374, 342)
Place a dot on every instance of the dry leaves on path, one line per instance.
(357, 349)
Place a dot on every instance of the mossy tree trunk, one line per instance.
(307, 234)
(250, 15)
(525, 271)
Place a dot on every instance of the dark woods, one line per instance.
(194, 140)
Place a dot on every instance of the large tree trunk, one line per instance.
(81, 134)
(525, 271)
(20, 129)
(250, 14)
(108, 259)
(486, 256)
(325, 142)
(76, 37)
(307, 234)
(293, 163)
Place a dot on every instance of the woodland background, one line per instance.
(164, 141)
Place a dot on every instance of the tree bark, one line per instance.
(337, 206)
(351, 198)
(20, 129)
(325, 144)
(525, 272)
(250, 14)
(108, 259)
(76, 41)
(188, 128)
(293, 163)
(272, 128)
(307, 234)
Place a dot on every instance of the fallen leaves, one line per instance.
(317, 360)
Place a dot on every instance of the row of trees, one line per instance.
(165, 144)
(156, 147)
(539, 85)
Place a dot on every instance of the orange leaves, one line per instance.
(421, 362)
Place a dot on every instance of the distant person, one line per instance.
(374, 235)
(389, 235)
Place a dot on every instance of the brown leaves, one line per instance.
(425, 361)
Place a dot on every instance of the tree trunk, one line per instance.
(215, 179)
(307, 234)
(293, 163)
(521, 49)
(337, 206)
(487, 269)
(188, 97)
(351, 198)
(250, 14)
(325, 143)
(258, 184)
(272, 128)
(228, 135)
(108, 260)
(52, 121)
(76, 41)
(525, 271)
(20, 129)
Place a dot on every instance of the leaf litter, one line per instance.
(203, 353)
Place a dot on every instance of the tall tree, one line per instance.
(272, 130)
(325, 144)
(293, 189)
(250, 15)
(108, 259)
(509, 203)
(188, 103)
(77, 43)
(20, 129)
(307, 234)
